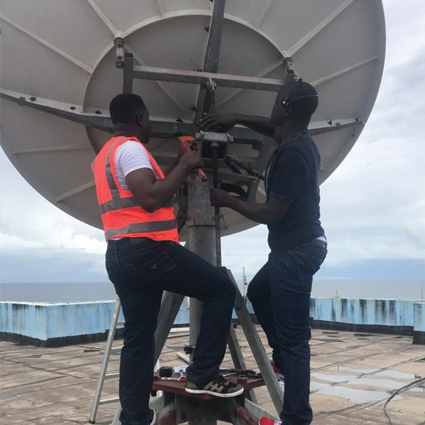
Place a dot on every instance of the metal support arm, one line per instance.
(195, 77)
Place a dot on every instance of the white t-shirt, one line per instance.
(130, 156)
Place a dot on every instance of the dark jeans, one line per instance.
(141, 269)
(280, 295)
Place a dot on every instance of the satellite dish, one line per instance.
(60, 56)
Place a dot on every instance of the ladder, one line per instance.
(103, 375)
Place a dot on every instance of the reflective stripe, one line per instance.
(117, 204)
(152, 226)
(109, 177)
(121, 203)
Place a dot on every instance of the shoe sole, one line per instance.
(213, 393)
(154, 418)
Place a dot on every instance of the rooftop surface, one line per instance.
(353, 374)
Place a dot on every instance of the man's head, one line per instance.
(129, 114)
(296, 103)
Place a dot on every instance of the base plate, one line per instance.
(176, 387)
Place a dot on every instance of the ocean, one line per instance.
(101, 291)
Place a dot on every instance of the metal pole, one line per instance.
(128, 73)
(244, 283)
(202, 241)
(212, 56)
(216, 209)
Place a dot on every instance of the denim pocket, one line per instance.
(153, 267)
(310, 258)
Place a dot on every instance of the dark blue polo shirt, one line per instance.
(293, 175)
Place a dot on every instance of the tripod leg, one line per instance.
(257, 348)
(237, 357)
(170, 306)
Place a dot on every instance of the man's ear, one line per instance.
(139, 120)
(287, 111)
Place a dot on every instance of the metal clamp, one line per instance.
(119, 58)
(209, 136)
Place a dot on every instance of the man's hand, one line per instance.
(220, 123)
(190, 161)
(220, 198)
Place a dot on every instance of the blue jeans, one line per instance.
(141, 269)
(280, 295)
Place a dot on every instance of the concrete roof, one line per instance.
(352, 373)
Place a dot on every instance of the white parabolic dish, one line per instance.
(61, 53)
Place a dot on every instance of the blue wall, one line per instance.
(363, 311)
(44, 322)
(419, 317)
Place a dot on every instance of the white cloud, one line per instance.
(8, 242)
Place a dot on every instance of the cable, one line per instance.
(399, 391)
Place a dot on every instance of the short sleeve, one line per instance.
(289, 172)
(132, 156)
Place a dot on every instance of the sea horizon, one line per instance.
(60, 292)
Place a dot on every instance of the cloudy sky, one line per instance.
(372, 206)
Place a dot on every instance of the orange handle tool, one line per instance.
(185, 144)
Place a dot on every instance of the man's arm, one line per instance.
(270, 213)
(225, 122)
(290, 171)
(151, 193)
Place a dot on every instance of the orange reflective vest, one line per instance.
(121, 215)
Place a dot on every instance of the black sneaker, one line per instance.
(153, 417)
(218, 387)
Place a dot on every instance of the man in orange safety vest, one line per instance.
(144, 258)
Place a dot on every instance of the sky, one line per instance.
(373, 205)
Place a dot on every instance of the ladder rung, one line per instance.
(120, 323)
(109, 400)
(112, 375)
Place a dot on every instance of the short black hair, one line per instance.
(125, 107)
(304, 100)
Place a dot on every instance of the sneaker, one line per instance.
(267, 421)
(153, 417)
(279, 375)
(218, 387)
